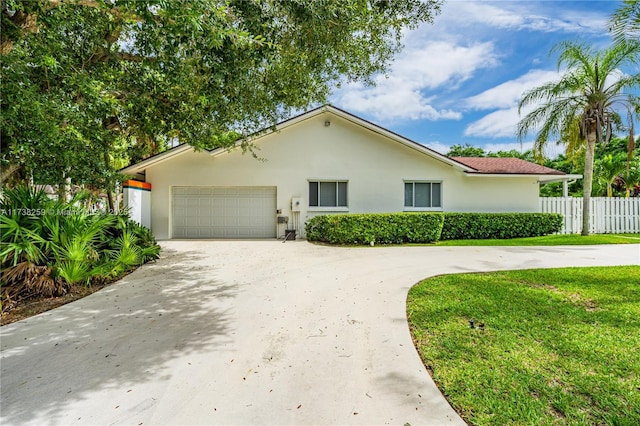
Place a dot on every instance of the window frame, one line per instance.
(422, 209)
(336, 181)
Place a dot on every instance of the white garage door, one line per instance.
(224, 212)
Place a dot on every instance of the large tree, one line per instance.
(584, 105)
(88, 84)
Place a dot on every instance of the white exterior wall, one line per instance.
(138, 201)
(374, 166)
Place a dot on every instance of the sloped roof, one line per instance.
(471, 166)
(508, 165)
(181, 149)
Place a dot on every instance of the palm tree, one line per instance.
(585, 102)
(625, 27)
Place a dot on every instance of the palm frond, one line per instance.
(574, 55)
(625, 23)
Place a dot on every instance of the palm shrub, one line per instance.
(125, 233)
(24, 269)
(49, 246)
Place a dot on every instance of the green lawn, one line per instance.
(557, 346)
(550, 240)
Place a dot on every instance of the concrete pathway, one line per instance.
(249, 332)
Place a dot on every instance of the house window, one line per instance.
(425, 195)
(327, 194)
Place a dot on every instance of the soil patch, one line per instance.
(36, 306)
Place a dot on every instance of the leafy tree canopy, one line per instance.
(90, 84)
(468, 150)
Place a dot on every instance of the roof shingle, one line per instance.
(509, 165)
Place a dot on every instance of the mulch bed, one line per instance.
(36, 306)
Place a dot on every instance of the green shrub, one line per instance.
(480, 226)
(47, 245)
(381, 228)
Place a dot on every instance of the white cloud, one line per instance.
(401, 96)
(508, 94)
(498, 124)
(535, 16)
(436, 63)
(401, 103)
(438, 147)
(505, 97)
(432, 77)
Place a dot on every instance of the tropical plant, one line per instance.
(608, 170)
(585, 102)
(631, 177)
(49, 245)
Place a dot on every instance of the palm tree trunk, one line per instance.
(588, 178)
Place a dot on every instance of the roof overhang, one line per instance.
(542, 178)
(156, 159)
(562, 178)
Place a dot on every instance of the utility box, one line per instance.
(283, 219)
(296, 204)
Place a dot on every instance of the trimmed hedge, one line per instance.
(398, 228)
(480, 226)
(381, 228)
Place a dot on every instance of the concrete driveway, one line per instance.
(249, 332)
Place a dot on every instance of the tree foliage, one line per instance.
(89, 84)
(468, 150)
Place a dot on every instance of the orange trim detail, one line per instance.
(137, 184)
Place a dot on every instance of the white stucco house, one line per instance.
(323, 161)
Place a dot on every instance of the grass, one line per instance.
(557, 346)
(550, 240)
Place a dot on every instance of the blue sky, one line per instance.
(459, 79)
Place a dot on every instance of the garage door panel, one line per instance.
(224, 212)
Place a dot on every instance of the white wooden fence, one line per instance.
(608, 215)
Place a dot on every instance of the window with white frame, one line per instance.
(427, 195)
(327, 194)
